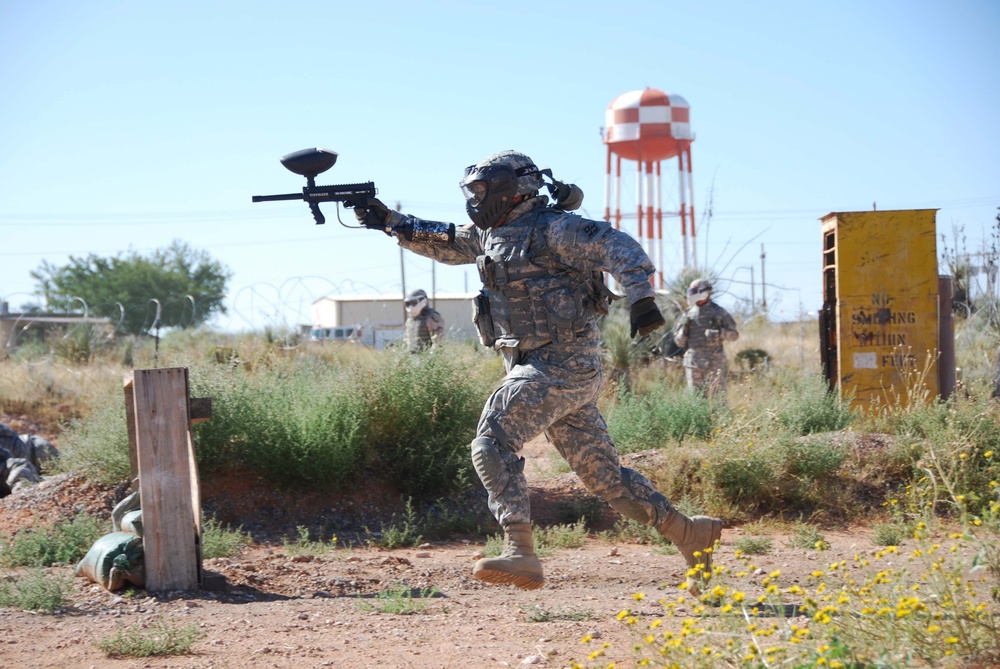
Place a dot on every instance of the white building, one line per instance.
(377, 320)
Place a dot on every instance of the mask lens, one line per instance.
(410, 303)
(475, 192)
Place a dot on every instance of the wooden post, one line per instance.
(164, 461)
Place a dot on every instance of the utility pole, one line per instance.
(763, 285)
(402, 271)
(434, 284)
(753, 299)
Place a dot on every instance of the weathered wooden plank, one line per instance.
(133, 453)
(167, 479)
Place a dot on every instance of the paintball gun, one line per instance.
(310, 163)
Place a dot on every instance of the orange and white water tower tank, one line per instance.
(649, 126)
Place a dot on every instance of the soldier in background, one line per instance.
(424, 326)
(703, 328)
(543, 288)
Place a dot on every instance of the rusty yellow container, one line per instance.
(879, 325)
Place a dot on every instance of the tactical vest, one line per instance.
(418, 335)
(528, 295)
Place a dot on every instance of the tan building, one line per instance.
(377, 320)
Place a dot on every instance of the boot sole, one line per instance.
(503, 578)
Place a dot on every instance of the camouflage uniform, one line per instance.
(703, 329)
(543, 292)
(422, 330)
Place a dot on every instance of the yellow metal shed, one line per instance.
(879, 326)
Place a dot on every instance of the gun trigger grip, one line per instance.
(317, 214)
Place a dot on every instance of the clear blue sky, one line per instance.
(130, 124)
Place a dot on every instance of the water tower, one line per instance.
(650, 126)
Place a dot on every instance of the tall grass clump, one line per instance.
(299, 419)
(661, 416)
(810, 407)
(405, 419)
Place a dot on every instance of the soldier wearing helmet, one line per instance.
(424, 326)
(543, 289)
(703, 328)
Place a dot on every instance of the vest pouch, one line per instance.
(483, 319)
(564, 312)
(487, 271)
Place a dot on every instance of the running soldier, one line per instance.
(703, 328)
(541, 269)
(424, 326)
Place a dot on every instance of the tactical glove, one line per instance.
(373, 215)
(645, 317)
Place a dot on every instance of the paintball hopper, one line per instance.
(310, 163)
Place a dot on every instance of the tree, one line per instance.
(188, 285)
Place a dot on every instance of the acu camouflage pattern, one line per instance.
(423, 330)
(552, 384)
(705, 361)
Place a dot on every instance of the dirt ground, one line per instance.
(283, 610)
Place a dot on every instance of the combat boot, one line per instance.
(517, 563)
(695, 539)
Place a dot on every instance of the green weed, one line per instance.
(399, 532)
(162, 637)
(399, 600)
(538, 614)
(220, 541)
(58, 543)
(35, 591)
(303, 545)
(662, 416)
(753, 545)
(889, 534)
(808, 537)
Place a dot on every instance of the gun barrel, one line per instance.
(272, 198)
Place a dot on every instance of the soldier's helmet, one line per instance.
(699, 292)
(491, 185)
(700, 286)
(415, 302)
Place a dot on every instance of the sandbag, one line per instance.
(127, 516)
(113, 561)
(20, 472)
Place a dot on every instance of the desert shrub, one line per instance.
(753, 545)
(811, 460)
(811, 407)
(807, 536)
(61, 542)
(163, 637)
(35, 591)
(399, 599)
(889, 534)
(297, 420)
(217, 540)
(303, 544)
(98, 443)
(657, 418)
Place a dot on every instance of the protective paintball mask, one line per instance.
(695, 298)
(414, 306)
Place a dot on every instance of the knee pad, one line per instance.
(493, 465)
